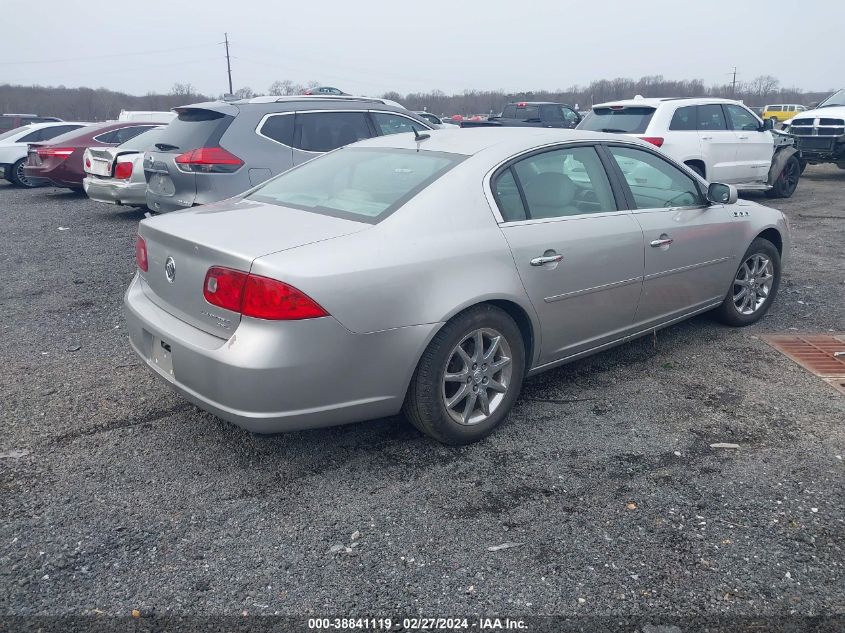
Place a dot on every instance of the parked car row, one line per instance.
(449, 264)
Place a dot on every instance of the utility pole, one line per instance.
(228, 62)
(733, 84)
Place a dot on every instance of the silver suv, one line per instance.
(217, 150)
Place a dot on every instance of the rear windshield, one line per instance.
(362, 184)
(143, 141)
(618, 120)
(524, 113)
(193, 128)
(12, 132)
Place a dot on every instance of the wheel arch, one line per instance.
(772, 235)
(698, 163)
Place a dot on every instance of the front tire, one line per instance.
(787, 180)
(754, 287)
(468, 377)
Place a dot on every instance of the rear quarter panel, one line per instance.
(439, 254)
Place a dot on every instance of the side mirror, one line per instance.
(718, 193)
(769, 124)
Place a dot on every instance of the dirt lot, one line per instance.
(117, 495)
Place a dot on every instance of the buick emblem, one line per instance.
(170, 269)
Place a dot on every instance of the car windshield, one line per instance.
(618, 120)
(362, 184)
(836, 99)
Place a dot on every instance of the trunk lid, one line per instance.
(99, 161)
(229, 234)
(169, 187)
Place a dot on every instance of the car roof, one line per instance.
(654, 102)
(504, 140)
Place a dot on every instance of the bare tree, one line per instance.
(285, 88)
(182, 90)
(244, 93)
(763, 86)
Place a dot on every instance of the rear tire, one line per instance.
(787, 180)
(754, 287)
(697, 169)
(459, 392)
(18, 176)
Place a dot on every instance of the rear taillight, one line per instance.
(87, 162)
(258, 297)
(210, 160)
(122, 171)
(55, 152)
(654, 140)
(141, 254)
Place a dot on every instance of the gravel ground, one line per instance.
(118, 495)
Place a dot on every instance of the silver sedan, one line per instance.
(432, 274)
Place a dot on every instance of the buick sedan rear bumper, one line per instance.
(273, 376)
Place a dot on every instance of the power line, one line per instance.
(75, 59)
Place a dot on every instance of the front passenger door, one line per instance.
(580, 257)
(755, 146)
(689, 244)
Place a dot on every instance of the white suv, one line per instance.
(721, 140)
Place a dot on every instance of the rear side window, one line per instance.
(618, 119)
(390, 123)
(552, 113)
(128, 133)
(193, 128)
(279, 128)
(684, 119)
(325, 131)
(774, 108)
(508, 198)
(564, 182)
(361, 184)
(711, 117)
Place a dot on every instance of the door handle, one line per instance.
(706, 138)
(663, 241)
(742, 138)
(546, 259)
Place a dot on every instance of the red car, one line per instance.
(59, 162)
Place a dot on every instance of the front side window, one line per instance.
(711, 117)
(325, 131)
(559, 183)
(654, 182)
(361, 184)
(391, 123)
(741, 119)
(775, 108)
(570, 116)
(34, 137)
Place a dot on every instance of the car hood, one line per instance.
(835, 112)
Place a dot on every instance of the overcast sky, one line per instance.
(372, 46)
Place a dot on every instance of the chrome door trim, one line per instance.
(684, 269)
(586, 291)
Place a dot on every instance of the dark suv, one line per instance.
(217, 150)
(12, 121)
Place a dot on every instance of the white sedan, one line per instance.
(14, 144)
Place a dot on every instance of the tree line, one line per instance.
(100, 104)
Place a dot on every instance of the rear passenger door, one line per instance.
(318, 132)
(688, 242)
(580, 257)
(718, 144)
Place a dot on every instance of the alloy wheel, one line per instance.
(21, 177)
(789, 176)
(477, 376)
(753, 283)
